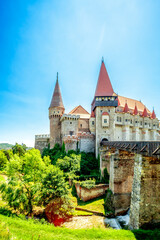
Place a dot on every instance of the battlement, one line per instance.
(69, 117)
(42, 136)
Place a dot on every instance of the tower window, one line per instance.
(70, 122)
(81, 125)
(92, 122)
(71, 133)
(105, 120)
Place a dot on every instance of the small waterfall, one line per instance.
(118, 222)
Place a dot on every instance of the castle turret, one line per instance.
(56, 110)
(103, 106)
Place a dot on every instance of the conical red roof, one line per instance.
(56, 98)
(126, 109)
(153, 115)
(145, 114)
(135, 110)
(104, 86)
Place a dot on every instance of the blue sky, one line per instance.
(40, 37)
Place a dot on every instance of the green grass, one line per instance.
(82, 213)
(27, 230)
(94, 204)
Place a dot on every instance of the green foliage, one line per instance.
(73, 162)
(108, 203)
(3, 160)
(8, 153)
(19, 149)
(88, 183)
(89, 164)
(53, 185)
(147, 234)
(31, 181)
(70, 165)
(74, 192)
(22, 229)
(54, 153)
(59, 210)
(105, 179)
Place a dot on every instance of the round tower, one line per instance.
(56, 110)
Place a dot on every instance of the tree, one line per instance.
(32, 181)
(54, 153)
(19, 149)
(3, 160)
(70, 164)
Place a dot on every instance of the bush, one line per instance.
(89, 164)
(88, 183)
(59, 210)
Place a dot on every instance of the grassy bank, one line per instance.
(27, 230)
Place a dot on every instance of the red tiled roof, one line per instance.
(105, 113)
(78, 110)
(131, 104)
(56, 98)
(104, 86)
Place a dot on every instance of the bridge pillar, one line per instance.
(145, 199)
(121, 179)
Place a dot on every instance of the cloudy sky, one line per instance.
(39, 38)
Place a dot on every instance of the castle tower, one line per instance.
(56, 110)
(103, 107)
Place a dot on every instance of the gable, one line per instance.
(78, 110)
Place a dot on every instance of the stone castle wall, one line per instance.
(83, 141)
(145, 200)
(87, 194)
(121, 179)
(42, 141)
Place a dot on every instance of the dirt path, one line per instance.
(85, 222)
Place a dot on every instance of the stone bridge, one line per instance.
(134, 169)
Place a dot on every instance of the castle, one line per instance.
(112, 118)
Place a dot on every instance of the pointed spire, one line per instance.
(153, 116)
(135, 110)
(145, 113)
(104, 86)
(126, 109)
(57, 98)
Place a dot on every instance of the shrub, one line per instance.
(88, 183)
